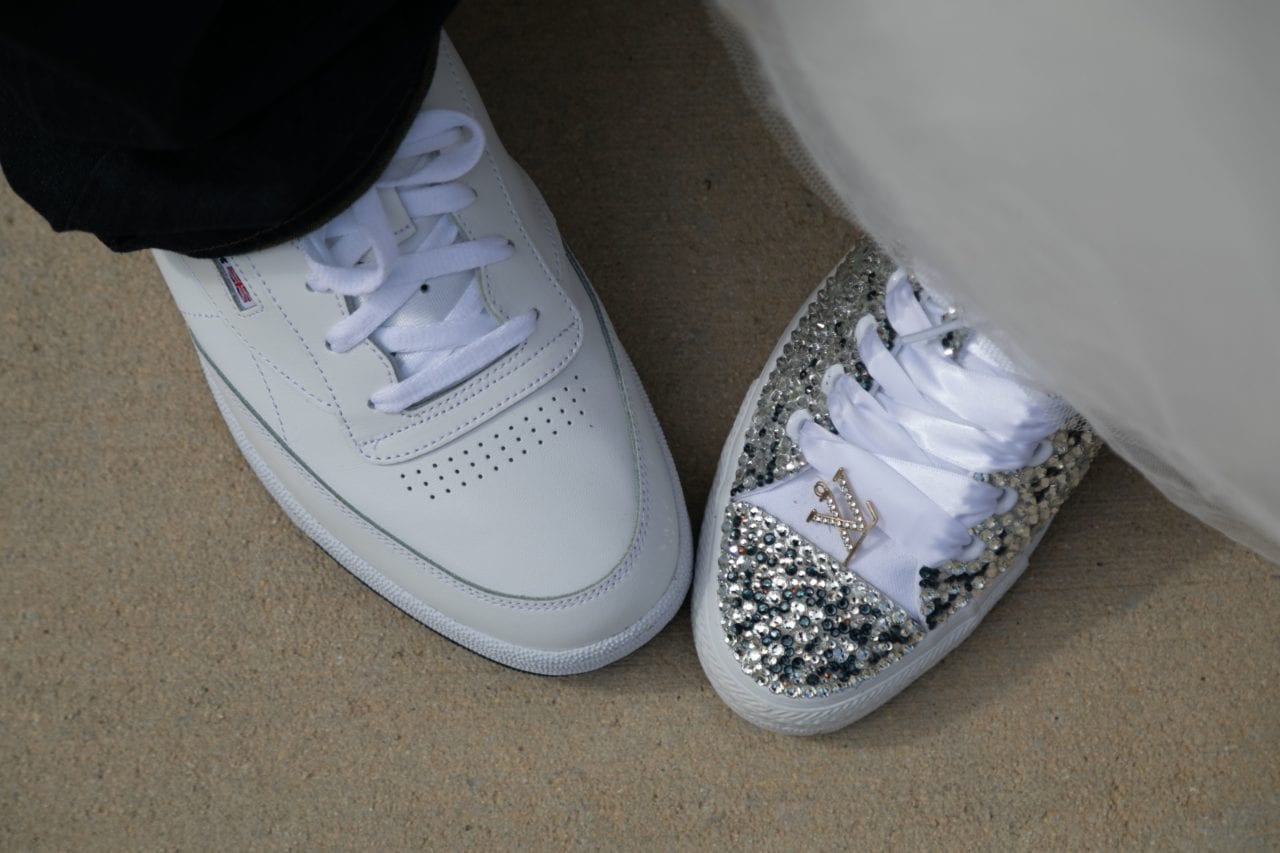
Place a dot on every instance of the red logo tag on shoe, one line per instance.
(235, 284)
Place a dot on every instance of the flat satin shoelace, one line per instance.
(914, 442)
(356, 254)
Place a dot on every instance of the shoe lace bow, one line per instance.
(919, 442)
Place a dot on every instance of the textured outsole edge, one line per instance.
(538, 661)
(796, 716)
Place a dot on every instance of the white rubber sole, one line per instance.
(798, 716)
(538, 661)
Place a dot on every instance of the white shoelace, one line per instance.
(357, 255)
(913, 443)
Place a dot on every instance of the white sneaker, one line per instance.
(881, 438)
(430, 388)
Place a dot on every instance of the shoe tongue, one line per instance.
(423, 307)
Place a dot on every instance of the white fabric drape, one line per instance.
(1098, 182)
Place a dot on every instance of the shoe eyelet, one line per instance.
(370, 404)
(329, 346)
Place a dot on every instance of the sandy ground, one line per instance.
(180, 668)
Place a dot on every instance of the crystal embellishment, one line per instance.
(780, 596)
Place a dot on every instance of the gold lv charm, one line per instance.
(847, 525)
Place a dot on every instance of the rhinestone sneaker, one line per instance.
(429, 387)
(885, 482)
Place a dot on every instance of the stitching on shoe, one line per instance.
(479, 416)
(271, 397)
(253, 350)
(620, 571)
(266, 287)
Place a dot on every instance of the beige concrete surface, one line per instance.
(181, 669)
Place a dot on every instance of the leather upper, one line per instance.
(526, 481)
